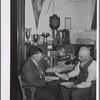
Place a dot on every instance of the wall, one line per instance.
(62, 8)
(82, 12)
(80, 31)
(65, 8)
(77, 11)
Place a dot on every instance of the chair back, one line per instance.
(92, 96)
(21, 85)
(93, 92)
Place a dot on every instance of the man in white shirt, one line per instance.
(85, 70)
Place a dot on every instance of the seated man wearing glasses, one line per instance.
(34, 72)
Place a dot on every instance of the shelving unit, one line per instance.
(62, 52)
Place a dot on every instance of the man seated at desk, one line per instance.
(85, 70)
(33, 74)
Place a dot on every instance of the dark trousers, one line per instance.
(75, 94)
(47, 92)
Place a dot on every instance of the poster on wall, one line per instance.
(37, 7)
(67, 23)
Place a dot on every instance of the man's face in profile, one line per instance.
(83, 56)
(38, 57)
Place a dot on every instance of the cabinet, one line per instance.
(62, 52)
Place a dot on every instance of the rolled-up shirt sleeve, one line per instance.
(75, 72)
(91, 76)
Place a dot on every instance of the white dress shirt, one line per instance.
(91, 74)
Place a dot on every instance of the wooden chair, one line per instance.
(92, 96)
(23, 89)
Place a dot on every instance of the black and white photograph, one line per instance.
(50, 50)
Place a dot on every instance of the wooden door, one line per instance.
(18, 53)
(21, 48)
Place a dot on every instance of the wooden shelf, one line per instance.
(68, 48)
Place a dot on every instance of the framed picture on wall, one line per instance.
(68, 23)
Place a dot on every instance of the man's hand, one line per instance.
(74, 86)
(62, 76)
(67, 84)
(51, 78)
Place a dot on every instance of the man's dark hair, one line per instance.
(35, 50)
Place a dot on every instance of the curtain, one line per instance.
(91, 9)
(94, 22)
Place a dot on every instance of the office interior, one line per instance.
(75, 25)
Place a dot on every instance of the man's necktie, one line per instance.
(40, 70)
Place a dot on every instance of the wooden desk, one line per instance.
(60, 68)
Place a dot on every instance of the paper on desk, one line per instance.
(60, 68)
(62, 64)
(53, 69)
(51, 78)
(67, 84)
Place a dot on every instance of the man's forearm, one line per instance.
(84, 85)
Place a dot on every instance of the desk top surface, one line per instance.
(61, 67)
